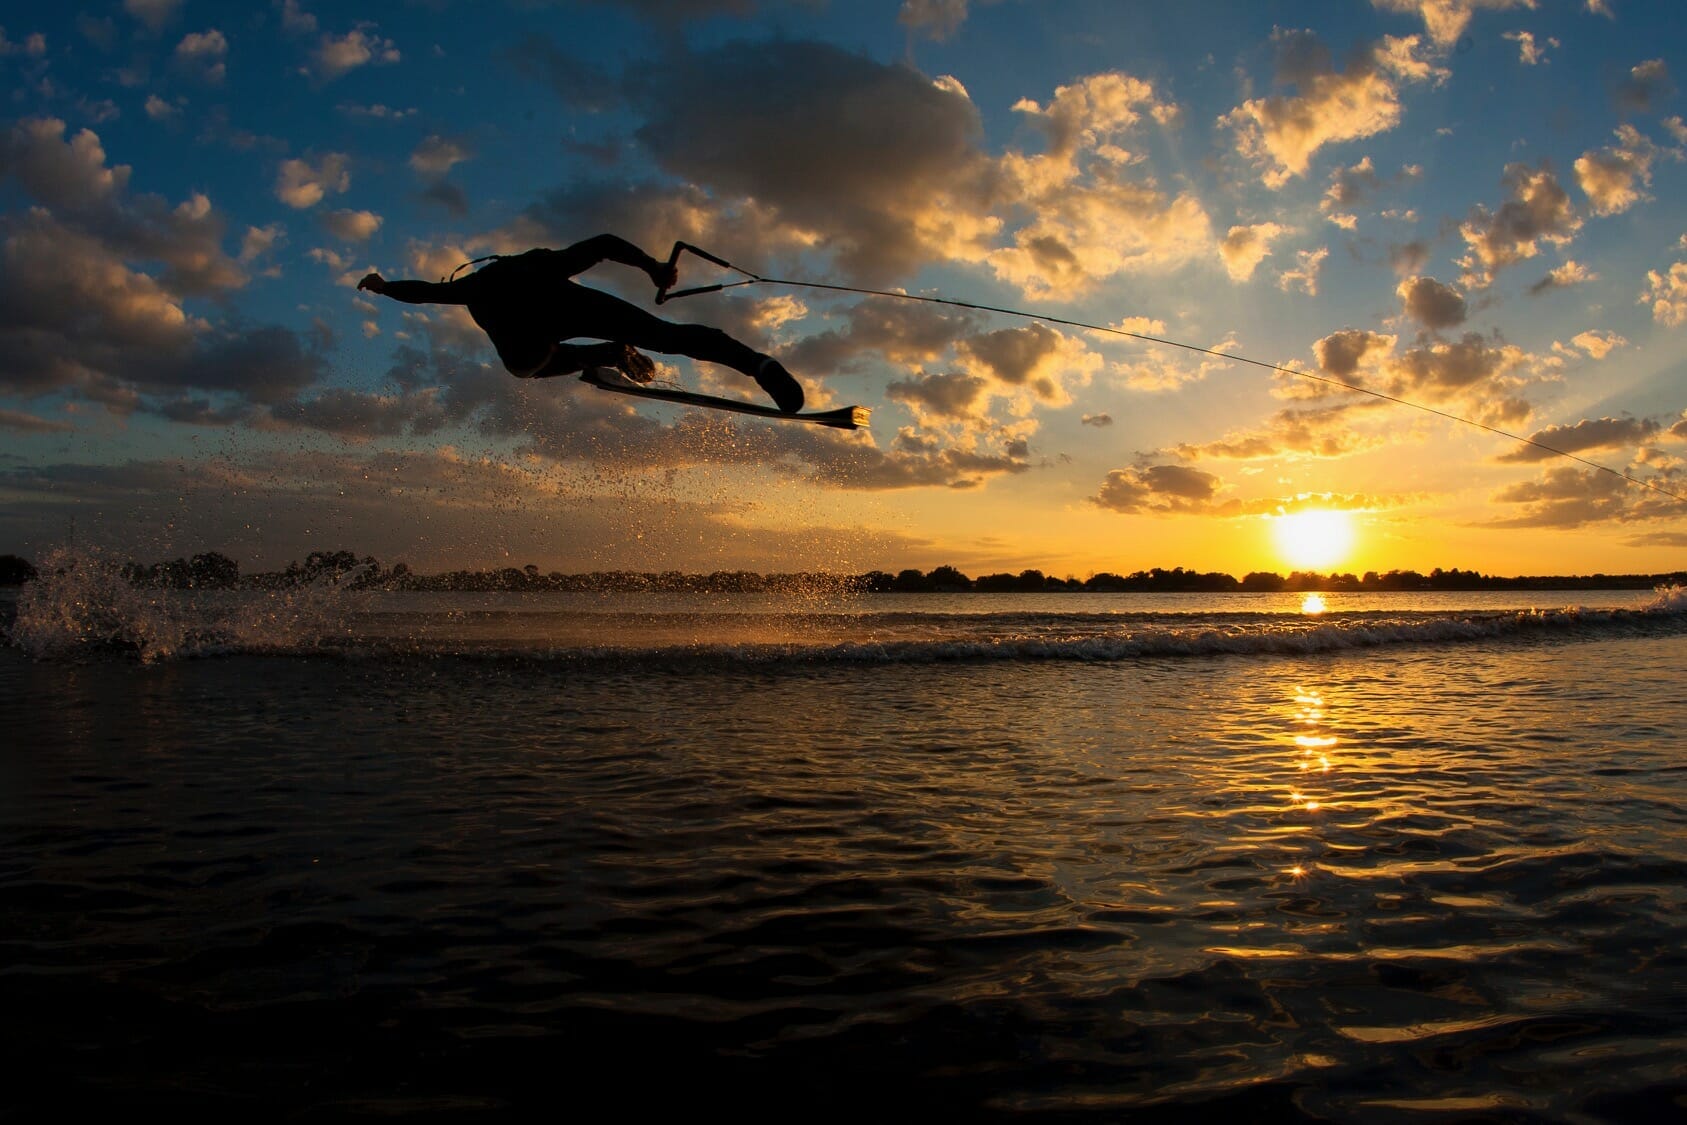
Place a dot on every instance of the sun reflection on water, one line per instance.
(1313, 604)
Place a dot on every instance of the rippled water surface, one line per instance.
(1410, 862)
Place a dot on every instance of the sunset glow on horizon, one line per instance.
(1465, 210)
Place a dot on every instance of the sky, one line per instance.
(1471, 207)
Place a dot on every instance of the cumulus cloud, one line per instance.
(447, 195)
(57, 171)
(74, 316)
(1482, 377)
(1432, 304)
(1105, 227)
(1647, 84)
(1304, 277)
(1348, 187)
(1245, 247)
(873, 162)
(1612, 177)
(1161, 368)
(883, 167)
(1589, 433)
(1446, 20)
(204, 54)
(295, 20)
(901, 332)
(1091, 217)
(1667, 294)
(436, 155)
(1408, 257)
(72, 180)
(1321, 432)
(942, 397)
(301, 183)
(1281, 133)
(81, 314)
(1570, 273)
(34, 45)
(1570, 497)
(1592, 343)
(21, 422)
(933, 19)
(1538, 211)
(352, 226)
(336, 55)
(1157, 488)
(259, 241)
(153, 13)
(1034, 360)
(1529, 52)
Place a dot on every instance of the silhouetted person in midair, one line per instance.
(529, 303)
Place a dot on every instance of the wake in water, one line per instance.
(84, 604)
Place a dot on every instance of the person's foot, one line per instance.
(777, 382)
(635, 365)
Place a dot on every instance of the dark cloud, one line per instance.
(70, 177)
(1097, 420)
(868, 157)
(1565, 497)
(1431, 303)
(900, 331)
(448, 195)
(1013, 355)
(74, 316)
(933, 19)
(950, 395)
(1157, 488)
(1538, 211)
(1441, 370)
(579, 83)
(1408, 257)
(1340, 353)
(1647, 85)
(24, 423)
(1589, 433)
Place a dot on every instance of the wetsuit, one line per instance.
(526, 303)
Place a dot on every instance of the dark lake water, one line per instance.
(1076, 858)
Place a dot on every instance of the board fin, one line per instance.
(609, 379)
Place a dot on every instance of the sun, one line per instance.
(1313, 539)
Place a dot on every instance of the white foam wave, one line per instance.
(82, 602)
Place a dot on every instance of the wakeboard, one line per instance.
(609, 379)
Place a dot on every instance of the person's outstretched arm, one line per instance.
(583, 256)
(417, 292)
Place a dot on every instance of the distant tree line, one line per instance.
(215, 571)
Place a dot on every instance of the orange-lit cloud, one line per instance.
(1613, 178)
(1446, 20)
(1281, 133)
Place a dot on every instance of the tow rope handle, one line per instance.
(662, 294)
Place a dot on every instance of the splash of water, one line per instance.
(82, 602)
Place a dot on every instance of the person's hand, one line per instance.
(373, 282)
(663, 274)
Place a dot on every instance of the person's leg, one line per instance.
(567, 359)
(590, 312)
(595, 313)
